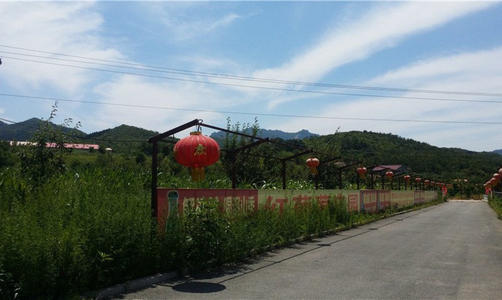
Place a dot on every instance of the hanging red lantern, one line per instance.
(418, 179)
(362, 172)
(497, 176)
(313, 163)
(427, 182)
(407, 178)
(197, 151)
(389, 174)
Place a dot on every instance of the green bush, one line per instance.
(496, 203)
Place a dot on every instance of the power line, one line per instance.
(251, 113)
(259, 87)
(8, 121)
(246, 78)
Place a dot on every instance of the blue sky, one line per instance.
(452, 46)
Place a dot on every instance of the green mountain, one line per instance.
(428, 161)
(272, 134)
(23, 131)
(123, 138)
(123, 132)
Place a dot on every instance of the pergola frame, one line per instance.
(198, 122)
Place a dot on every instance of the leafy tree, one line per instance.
(6, 157)
(39, 162)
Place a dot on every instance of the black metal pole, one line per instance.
(283, 174)
(372, 181)
(233, 156)
(340, 179)
(357, 176)
(383, 181)
(153, 203)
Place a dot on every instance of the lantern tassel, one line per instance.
(198, 174)
(313, 170)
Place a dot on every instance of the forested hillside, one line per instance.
(23, 131)
(123, 138)
(442, 163)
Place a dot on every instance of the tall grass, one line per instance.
(496, 203)
(84, 230)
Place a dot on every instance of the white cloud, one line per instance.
(380, 28)
(182, 25)
(133, 90)
(71, 28)
(476, 71)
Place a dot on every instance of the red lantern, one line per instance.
(313, 163)
(196, 152)
(362, 172)
(427, 182)
(389, 174)
(407, 178)
(496, 176)
(418, 179)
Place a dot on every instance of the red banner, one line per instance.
(170, 201)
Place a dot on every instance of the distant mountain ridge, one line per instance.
(122, 132)
(23, 131)
(273, 134)
(498, 151)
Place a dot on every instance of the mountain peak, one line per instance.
(23, 131)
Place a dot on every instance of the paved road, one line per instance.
(453, 250)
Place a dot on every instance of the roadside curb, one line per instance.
(142, 283)
(130, 286)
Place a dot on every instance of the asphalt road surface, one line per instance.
(451, 251)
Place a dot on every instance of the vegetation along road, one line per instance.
(453, 250)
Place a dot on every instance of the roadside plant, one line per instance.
(45, 157)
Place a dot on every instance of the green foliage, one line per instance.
(40, 162)
(6, 155)
(496, 203)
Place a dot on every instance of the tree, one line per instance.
(45, 157)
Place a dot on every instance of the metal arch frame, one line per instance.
(198, 122)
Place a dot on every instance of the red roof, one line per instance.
(387, 167)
